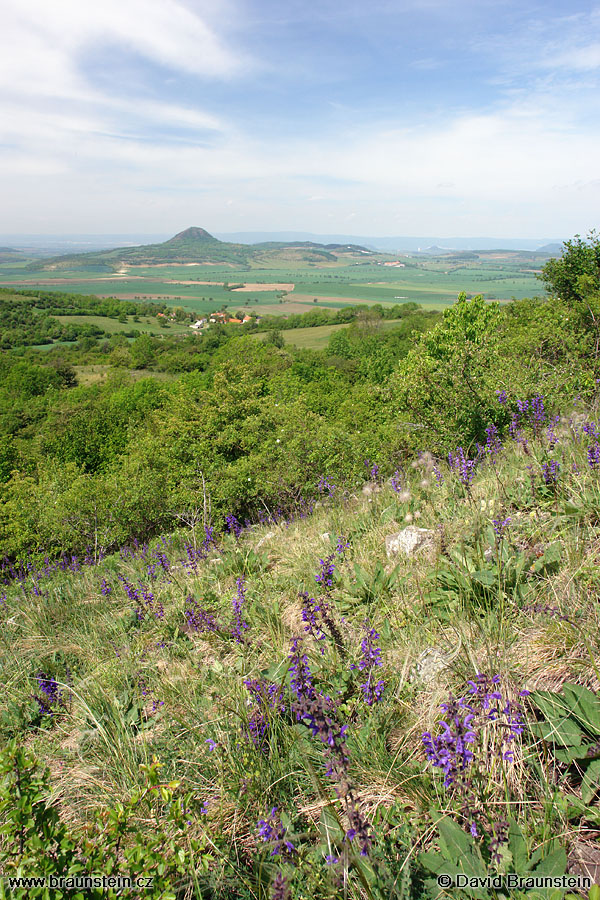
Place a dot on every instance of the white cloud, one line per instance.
(97, 158)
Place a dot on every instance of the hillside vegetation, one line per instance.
(311, 625)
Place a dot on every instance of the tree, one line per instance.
(576, 274)
(275, 338)
(574, 280)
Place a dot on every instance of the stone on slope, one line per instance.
(409, 541)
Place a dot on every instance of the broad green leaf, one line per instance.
(591, 781)
(553, 864)
(485, 577)
(518, 847)
(585, 704)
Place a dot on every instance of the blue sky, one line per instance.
(397, 117)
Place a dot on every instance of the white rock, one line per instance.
(325, 536)
(409, 541)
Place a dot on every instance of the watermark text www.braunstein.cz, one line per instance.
(515, 882)
(79, 882)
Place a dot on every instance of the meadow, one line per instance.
(284, 623)
(270, 701)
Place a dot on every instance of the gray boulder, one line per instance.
(409, 541)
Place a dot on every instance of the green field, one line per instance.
(317, 338)
(112, 326)
(434, 282)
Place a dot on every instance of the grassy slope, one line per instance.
(113, 326)
(94, 751)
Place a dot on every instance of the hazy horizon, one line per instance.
(414, 117)
(79, 243)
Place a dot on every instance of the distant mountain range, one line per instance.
(53, 245)
(196, 245)
(397, 244)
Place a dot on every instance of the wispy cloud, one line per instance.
(226, 131)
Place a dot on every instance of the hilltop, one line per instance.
(197, 246)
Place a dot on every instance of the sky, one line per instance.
(396, 117)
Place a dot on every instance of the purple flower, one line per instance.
(500, 525)
(233, 526)
(266, 698)
(271, 830)
(342, 545)
(239, 624)
(493, 444)
(50, 698)
(317, 615)
(198, 618)
(301, 680)
(280, 888)
(396, 482)
(211, 744)
(369, 661)
(550, 470)
(325, 576)
(325, 486)
(501, 396)
(105, 588)
(462, 465)
(373, 470)
(311, 613)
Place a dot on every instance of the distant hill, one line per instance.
(9, 254)
(551, 248)
(196, 245)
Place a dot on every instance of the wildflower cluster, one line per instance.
(317, 614)
(157, 564)
(493, 444)
(301, 680)
(316, 713)
(462, 465)
(593, 448)
(272, 830)
(324, 576)
(49, 698)
(325, 486)
(143, 600)
(475, 730)
(198, 618)
(500, 525)
(196, 553)
(370, 660)
(266, 698)
(550, 470)
(373, 470)
(148, 695)
(239, 625)
(529, 412)
(233, 526)
(396, 482)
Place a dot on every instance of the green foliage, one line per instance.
(576, 274)
(481, 581)
(36, 842)
(459, 854)
(447, 382)
(572, 726)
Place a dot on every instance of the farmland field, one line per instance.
(279, 282)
